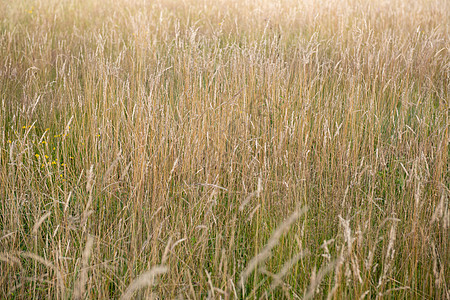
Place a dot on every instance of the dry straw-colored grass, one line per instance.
(162, 149)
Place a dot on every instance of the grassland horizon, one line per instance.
(224, 149)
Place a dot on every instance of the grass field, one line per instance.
(224, 149)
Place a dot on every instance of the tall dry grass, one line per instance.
(224, 149)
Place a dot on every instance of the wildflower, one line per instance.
(47, 129)
(37, 155)
(46, 156)
(24, 127)
(44, 142)
(9, 141)
(54, 148)
(60, 175)
(63, 165)
(53, 162)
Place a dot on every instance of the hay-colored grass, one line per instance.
(151, 149)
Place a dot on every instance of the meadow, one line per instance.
(224, 149)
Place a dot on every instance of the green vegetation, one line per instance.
(224, 149)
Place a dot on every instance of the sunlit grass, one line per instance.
(224, 149)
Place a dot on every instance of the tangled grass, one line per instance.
(224, 149)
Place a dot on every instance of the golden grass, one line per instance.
(163, 149)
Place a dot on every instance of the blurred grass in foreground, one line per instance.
(224, 149)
